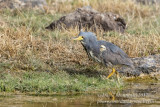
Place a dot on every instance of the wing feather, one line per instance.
(114, 54)
(115, 49)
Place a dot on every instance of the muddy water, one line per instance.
(137, 94)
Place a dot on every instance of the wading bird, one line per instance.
(104, 52)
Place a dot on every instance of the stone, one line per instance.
(148, 2)
(149, 65)
(13, 4)
(86, 17)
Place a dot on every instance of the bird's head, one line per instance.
(86, 37)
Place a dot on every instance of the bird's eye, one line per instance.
(82, 37)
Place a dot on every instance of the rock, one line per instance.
(148, 2)
(90, 18)
(144, 65)
(12, 4)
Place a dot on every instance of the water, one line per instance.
(137, 94)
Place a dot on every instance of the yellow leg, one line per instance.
(117, 74)
(113, 71)
(113, 98)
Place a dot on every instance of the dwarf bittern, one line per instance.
(104, 52)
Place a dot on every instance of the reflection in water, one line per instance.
(137, 94)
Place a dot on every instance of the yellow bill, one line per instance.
(78, 38)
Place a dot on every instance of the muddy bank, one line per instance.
(136, 94)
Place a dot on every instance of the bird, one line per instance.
(103, 51)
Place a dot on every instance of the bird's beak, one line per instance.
(78, 38)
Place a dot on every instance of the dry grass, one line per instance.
(123, 7)
(27, 52)
(136, 45)
(26, 45)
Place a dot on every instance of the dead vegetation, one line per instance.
(26, 45)
(125, 8)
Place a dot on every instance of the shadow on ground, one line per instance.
(85, 71)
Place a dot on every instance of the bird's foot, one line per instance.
(113, 71)
(117, 74)
(112, 96)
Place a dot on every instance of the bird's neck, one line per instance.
(92, 45)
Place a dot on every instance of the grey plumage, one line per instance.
(114, 55)
(110, 55)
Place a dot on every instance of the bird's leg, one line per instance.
(113, 97)
(113, 71)
(117, 74)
